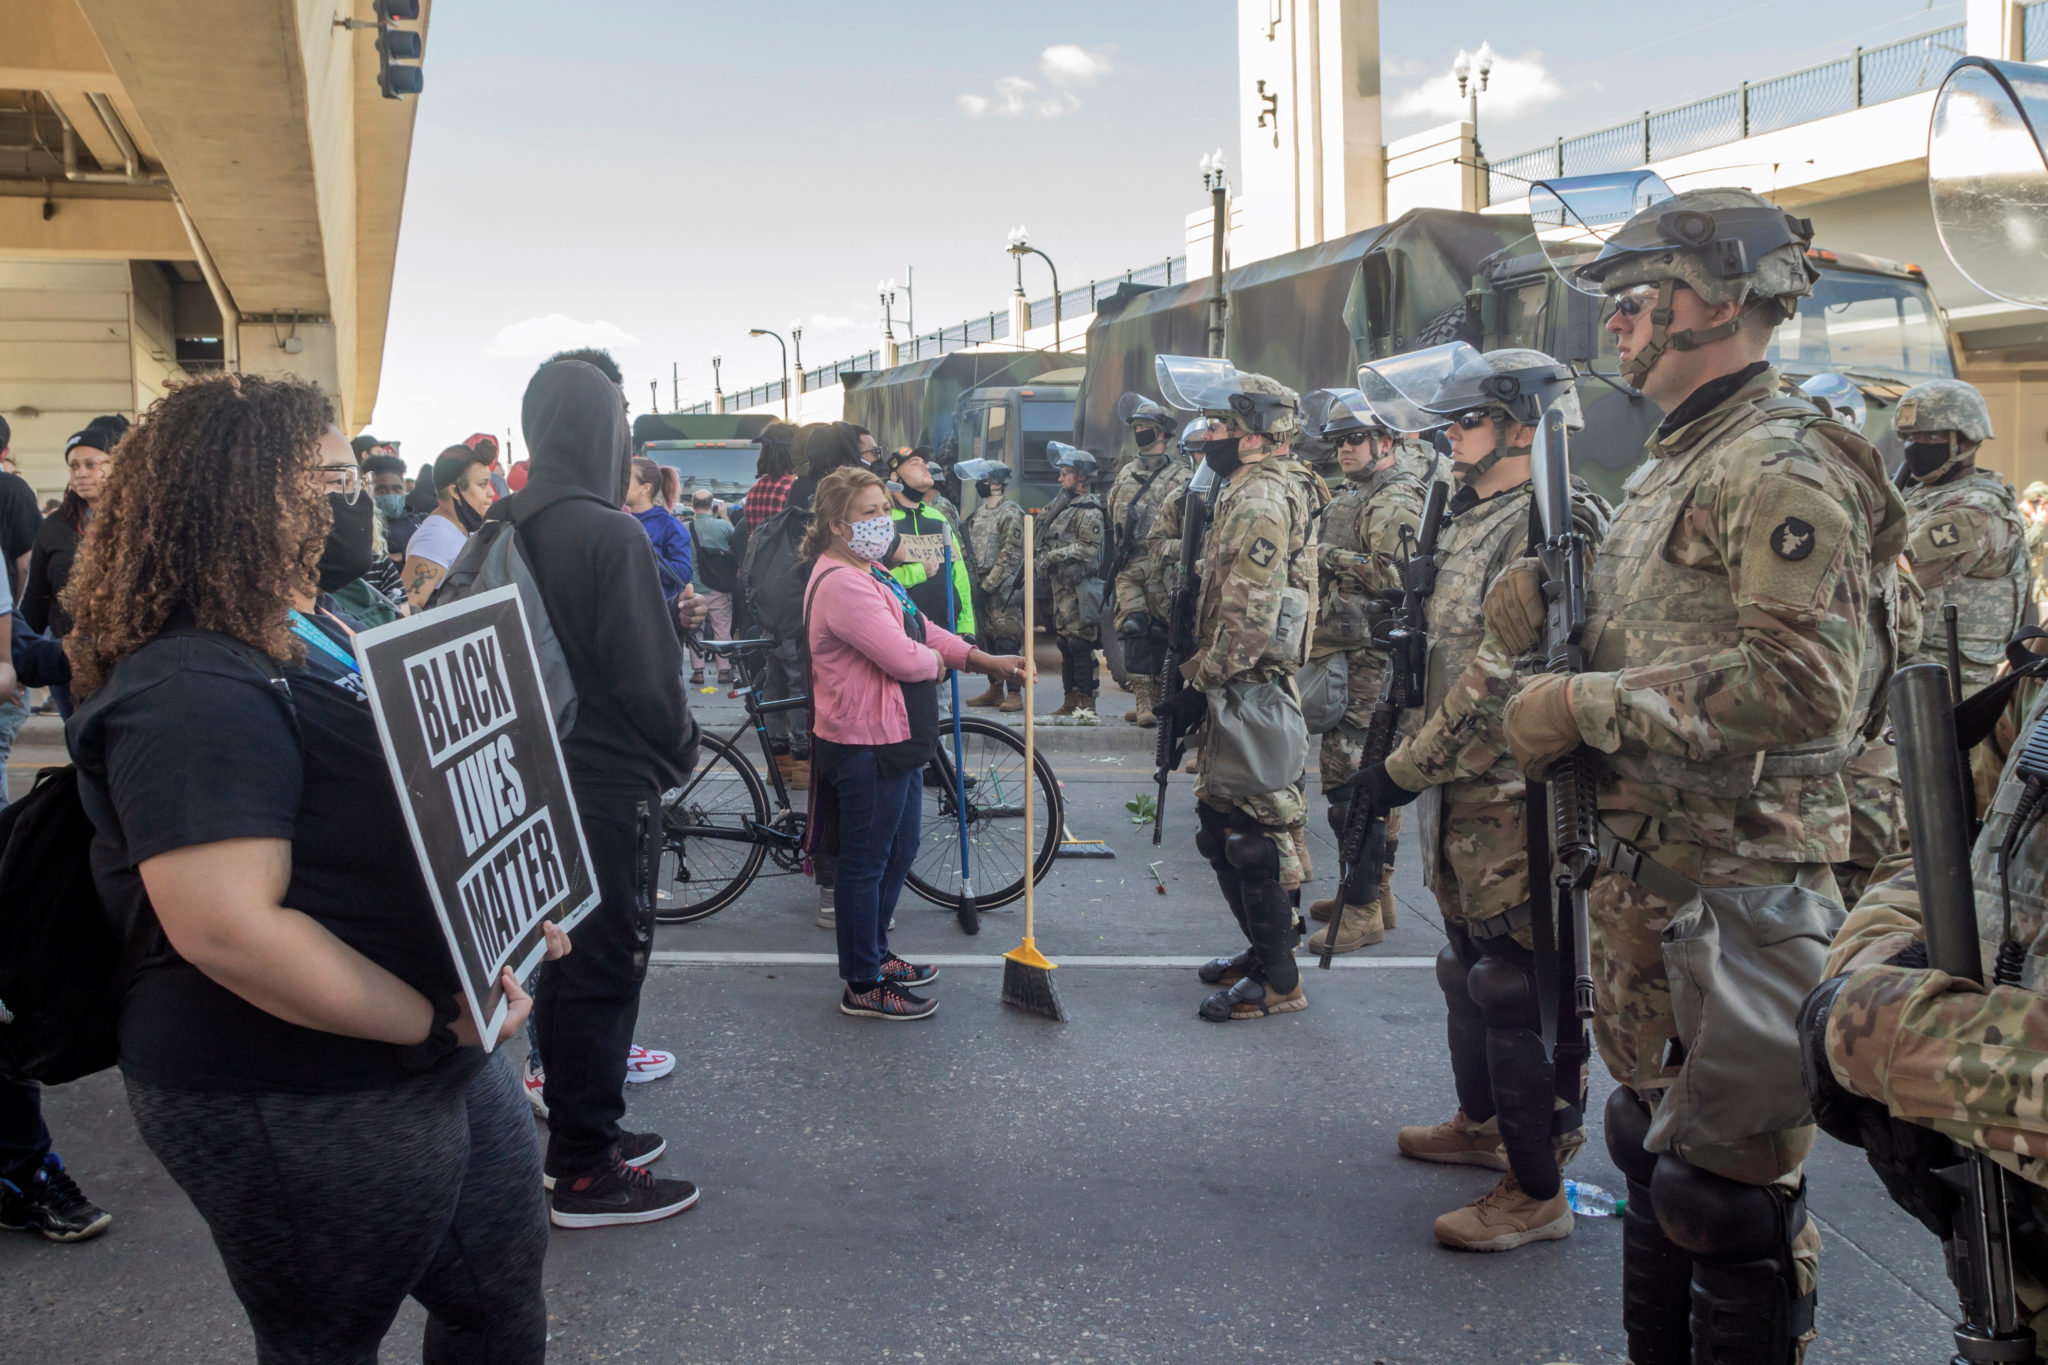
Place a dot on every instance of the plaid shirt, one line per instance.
(766, 498)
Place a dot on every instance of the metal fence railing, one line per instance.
(1867, 76)
(2034, 31)
(1074, 303)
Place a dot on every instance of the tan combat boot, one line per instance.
(1504, 1218)
(992, 697)
(1386, 901)
(1320, 910)
(1457, 1141)
(1362, 929)
(1073, 702)
(1148, 696)
(1013, 698)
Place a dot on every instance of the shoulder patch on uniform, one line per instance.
(1262, 551)
(1793, 539)
(1943, 533)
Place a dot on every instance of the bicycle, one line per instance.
(719, 829)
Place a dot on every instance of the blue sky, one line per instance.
(664, 176)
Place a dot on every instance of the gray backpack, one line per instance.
(493, 558)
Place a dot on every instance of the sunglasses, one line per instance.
(1632, 301)
(1354, 438)
(1473, 418)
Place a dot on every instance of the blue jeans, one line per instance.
(878, 824)
(24, 1141)
(12, 714)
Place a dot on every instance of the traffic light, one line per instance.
(396, 47)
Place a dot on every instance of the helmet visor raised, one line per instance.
(1401, 389)
(1987, 176)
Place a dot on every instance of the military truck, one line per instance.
(718, 451)
(972, 405)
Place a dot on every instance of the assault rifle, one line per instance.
(1363, 848)
(1569, 787)
(1180, 637)
(1933, 779)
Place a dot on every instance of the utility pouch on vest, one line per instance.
(1345, 619)
(1740, 960)
(1324, 685)
(1290, 627)
(1257, 742)
(1091, 593)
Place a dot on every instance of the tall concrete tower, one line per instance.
(1312, 165)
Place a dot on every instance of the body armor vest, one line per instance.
(1134, 502)
(1473, 549)
(1063, 527)
(1991, 603)
(1343, 620)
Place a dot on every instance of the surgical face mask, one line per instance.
(392, 505)
(870, 539)
(1221, 456)
(347, 554)
(1924, 457)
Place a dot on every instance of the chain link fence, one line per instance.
(1867, 76)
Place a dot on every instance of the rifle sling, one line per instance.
(1645, 871)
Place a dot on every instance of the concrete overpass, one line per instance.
(186, 187)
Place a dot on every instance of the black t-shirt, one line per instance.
(19, 519)
(190, 742)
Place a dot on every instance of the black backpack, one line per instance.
(774, 572)
(493, 557)
(719, 570)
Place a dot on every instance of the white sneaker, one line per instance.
(648, 1064)
(535, 1081)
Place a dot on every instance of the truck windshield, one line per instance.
(1874, 325)
(726, 470)
(1044, 421)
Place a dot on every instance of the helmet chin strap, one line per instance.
(1469, 474)
(1637, 369)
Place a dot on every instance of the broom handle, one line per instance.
(1030, 651)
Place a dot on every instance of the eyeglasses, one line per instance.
(344, 479)
(1632, 301)
(1473, 418)
(1355, 438)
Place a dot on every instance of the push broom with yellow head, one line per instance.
(1027, 976)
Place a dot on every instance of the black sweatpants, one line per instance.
(589, 1001)
(329, 1210)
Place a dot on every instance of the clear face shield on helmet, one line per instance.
(1844, 398)
(982, 471)
(1399, 389)
(1193, 435)
(1212, 386)
(1987, 176)
(1572, 218)
(1428, 388)
(1064, 457)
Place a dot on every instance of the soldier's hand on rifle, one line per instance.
(1515, 608)
(1539, 723)
(1376, 786)
(1185, 709)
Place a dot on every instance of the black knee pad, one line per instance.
(1253, 855)
(1627, 1124)
(1451, 972)
(1211, 834)
(1340, 813)
(1714, 1217)
(1503, 991)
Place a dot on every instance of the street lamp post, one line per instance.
(1472, 70)
(796, 337)
(717, 392)
(764, 332)
(887, 290)
(1020, 248)
(1218, 185)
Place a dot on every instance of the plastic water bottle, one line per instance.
(1590, 1201)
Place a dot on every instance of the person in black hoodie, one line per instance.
(632, 739)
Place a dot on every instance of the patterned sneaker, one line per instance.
(648, 1064)
(887, 1001)
(623, 1194)
(51, 1203)
(907, 974)
(635, 1149)
(536, 1085)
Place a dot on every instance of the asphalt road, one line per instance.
(1135, 1185)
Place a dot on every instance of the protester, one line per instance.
(355, 543)
(774, 472)
(419, 492)
(670, 537)
(515, 477)
(714, 566)
(486, 447)
(56, 544)
(291, 1033)
(18, 525)
(464, 492)
(385, 475)
(876, 662)
(633, 739)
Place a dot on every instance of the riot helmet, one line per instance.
(1210, 385)
(1193, 435)
(1455, 383)
(1987, 175)
(985, 475)
(1942, 422)
(1064, 456)
(1150, 422)
(1844, 399)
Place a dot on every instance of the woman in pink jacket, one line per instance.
(875, 669)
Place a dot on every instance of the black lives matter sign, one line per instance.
(470, 737)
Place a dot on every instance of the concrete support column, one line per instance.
(1020, 318)
(1992, 29)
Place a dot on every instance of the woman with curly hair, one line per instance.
(289, 1032)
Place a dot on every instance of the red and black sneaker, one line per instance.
(635, 1149)
(886, 1001)
(623, 1194)
(907, 974)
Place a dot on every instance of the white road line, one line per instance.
(671, 958)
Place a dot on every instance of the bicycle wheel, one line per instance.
(993, 756)
(708, 850)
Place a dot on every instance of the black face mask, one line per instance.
(347, 555)
(983, 488)
(470, 518)
(1146, 436)
(1924, 457)
(1222, 456)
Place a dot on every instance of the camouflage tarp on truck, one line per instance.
(916, 404)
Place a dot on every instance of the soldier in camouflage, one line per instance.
(1517, 1111)
(1134, 500)
(1965, 535)
(1253, 618)
(994, 532)
(1729, 614)
(1877, 812)
(2034, 506)
(1358, 539)
(1070, 562)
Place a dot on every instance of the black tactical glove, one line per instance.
(1184, 710)
(1904, 1155)
(1375, 786)
(1135, 626)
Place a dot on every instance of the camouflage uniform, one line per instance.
(1070, 555)
(1359, 539)
(1253, 619)
(1141, 487)
(1962, 1059)
(1877, 813)
(1968, 544)
(995, 543)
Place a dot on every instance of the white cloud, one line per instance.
(545, 335)
(1516, 86)
(831, 322)
(1070, 64)
(1064, 67)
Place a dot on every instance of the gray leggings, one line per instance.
(329, 1210)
